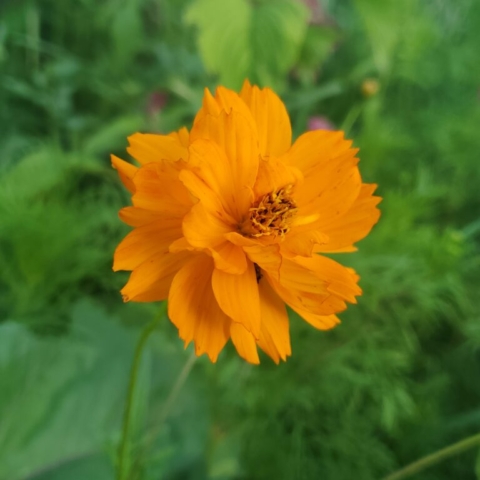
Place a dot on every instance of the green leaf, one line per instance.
(238, 39)
(113, 134)
(127, 31)
(97, 467)
(477, 465)
(223, 37)
(381, 22)
(317, 47)
(61, 398)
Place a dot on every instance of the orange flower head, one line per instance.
(230, 221)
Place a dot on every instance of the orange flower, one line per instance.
(229, 219)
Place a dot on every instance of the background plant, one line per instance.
(397, 380)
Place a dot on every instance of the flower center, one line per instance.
(271, 215)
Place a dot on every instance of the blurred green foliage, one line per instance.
(396, 381)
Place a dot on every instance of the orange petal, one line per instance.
(136, 217)
(148, 148)
(331, 189)
(181, 136)
(235, 138)
(238, 297)
(303, 243)
(315, 149)
(271, 118)
(126, 172)
(244, 342)
(206, 230)
(274, 334)
(179, 245)
(318, 284)
(354, 225)
(230, 258)
(274, 174)
(144, 242)
(195, 312)
(227, 101)
(321, 322)
(314, 273)
(298, 300)
(151, 280)
(160, 191)
(242, 241)
(219, 179)
(266, 257)
(203, 229)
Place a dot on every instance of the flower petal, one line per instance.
(151, 280)
(179, 245)
(274, 334)
(244, 342)
(271, 117)
(181, 136)
(236, 138)
(266, 257)
(204, 230)
(330, 190)
(354, 225)
(149, 147)
(298, 300)
(315, 149)
(160, 191)
(340, 280)
(144, 242)
(321, 322)
(195, 312)
(304, 243)
(230, 258)
(126, 172)
(238, 297)
(318, 284)
(136, 217)
(216, 179)
(274, 174)
(227, 101)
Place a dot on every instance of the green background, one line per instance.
(398, 379)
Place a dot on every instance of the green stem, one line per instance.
(172, 397)
(123, 450)
(435, 457)
(170, 401)
(351, 118)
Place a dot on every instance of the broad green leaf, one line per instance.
(239, 39)
(223, 37)
(113, 134)
(477, 465)
(383, 28)
(317, 47)
(61, 399)
(94, 466)
(127, 31)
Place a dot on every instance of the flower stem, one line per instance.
(170, 401)
(123, 467)
(435, 458)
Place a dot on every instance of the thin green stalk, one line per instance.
(435, 458)
(172, 397)
(123, 450)
(351, 118)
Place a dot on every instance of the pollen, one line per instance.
(272, 214)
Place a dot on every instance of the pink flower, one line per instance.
(320, 123)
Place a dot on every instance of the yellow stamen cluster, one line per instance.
(272, 214)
